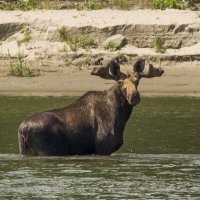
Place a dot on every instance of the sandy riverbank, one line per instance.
(180, 79)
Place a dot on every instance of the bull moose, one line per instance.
(93, 124)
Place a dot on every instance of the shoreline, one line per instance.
(78, 94)
(178, 80)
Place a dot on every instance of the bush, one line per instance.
(21, 5)
(76, 42)
(20, 67)
(163, 4)
(159, 45)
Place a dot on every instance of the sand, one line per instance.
(181, 80)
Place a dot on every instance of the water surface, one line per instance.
(159, 159)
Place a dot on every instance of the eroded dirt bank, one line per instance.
(65, 71)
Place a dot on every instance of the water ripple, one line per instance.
(120, 176)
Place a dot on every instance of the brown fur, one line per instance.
(94, 124)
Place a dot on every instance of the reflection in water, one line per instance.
(159, 158)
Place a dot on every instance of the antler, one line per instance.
(110, 71)
(152, 72)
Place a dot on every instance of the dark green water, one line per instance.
(159, 159)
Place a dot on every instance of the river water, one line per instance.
(159, 159)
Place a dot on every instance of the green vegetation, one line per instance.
(75, 42)
(20, 67)
(112, 47)
(21, 5)
(26, 36)
(163, 4)
(30, 5)
(159, 45)
(189, 3)
(89, 5)
(122, 4)
(46, 4)
(96, 5)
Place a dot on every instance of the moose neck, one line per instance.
(116, 96)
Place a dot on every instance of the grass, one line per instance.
(159, 45)
(75, 42)
(112, 47)
(46, 4)
(30, 5)
(122, 4)
(89, 5)
(95, 5)
(163, 4)
(26, 36)
(189, 3)
(20, 67)
(21, 5)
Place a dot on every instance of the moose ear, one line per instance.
(139, 65)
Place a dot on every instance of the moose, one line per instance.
(93, 124)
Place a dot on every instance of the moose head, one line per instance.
(128, 82)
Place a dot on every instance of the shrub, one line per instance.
(20, 67)
(75, 42)
(89, 5)
(122, 4)
(112, 47)
(26, 36)
(163, 4)
(159, 45)
(21, 5)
